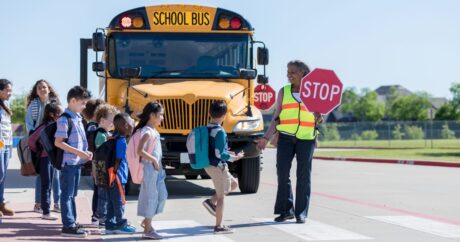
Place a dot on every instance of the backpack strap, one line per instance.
(69, 123)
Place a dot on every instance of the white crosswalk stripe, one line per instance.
(313, 230)
(176, 231)
(421, 224)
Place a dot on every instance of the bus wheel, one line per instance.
(131, 188)
(191, 177)
(205, 176)
(249, 175)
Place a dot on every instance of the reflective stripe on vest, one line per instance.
(295, 118)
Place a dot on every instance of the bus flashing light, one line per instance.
(235, 23)
(126, 22)
(224, 23)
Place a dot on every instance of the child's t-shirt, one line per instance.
(76, 139)
(120, 153)
(101, 138)
(219, 144)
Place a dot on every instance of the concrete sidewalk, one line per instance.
(28, 225)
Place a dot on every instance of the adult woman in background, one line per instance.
(6, 140)
(40, 95)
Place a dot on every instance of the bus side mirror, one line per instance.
(130, 72)
(248, 73)
(98, 41)
(262, 56)
(262, 79)
(98, 66)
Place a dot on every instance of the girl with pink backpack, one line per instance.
(146, 144)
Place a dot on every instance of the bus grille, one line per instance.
(179, 115)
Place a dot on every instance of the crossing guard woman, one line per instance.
(293, 129)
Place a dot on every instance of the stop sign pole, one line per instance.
(321, 91)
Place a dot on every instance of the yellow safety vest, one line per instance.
(295, 119)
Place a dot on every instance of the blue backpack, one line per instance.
(198, 147)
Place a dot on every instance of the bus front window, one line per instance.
(179, 55)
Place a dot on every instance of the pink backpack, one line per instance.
(136, 167)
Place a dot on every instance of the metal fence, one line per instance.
(434, 134)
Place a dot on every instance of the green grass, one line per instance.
(452, 155)
(436, 143)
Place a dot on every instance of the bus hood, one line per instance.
(190, 91)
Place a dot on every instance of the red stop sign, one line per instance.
(321, 91)
(264, 96)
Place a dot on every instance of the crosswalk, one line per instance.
(312, 230)
(421, 224)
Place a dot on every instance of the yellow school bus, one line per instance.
(185, 57)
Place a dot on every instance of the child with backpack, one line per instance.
(104, 116)
(75, 147)
(153, 194)
(51, 113)
(91, 125)
(219, 155)
(118, 177)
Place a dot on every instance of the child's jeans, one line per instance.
(115, 208)
(70, 179)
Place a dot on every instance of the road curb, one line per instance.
(392, 161)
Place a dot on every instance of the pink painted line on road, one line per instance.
(392, 161)
(380, 206)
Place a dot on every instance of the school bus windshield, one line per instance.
(179, 55)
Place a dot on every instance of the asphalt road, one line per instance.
(350, 202)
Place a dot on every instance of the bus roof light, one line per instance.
(138, 22)
(224, 23)
(126, 22)
(235, 23)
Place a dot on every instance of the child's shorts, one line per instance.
(221, 178)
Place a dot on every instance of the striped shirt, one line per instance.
(77, 137)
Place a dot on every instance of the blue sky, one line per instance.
(367, 43)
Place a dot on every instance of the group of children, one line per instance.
(104, 122)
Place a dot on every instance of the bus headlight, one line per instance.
(246, 125)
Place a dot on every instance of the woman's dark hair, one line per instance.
(218, 109)
(301, 65)
(51, 108)
(34, 94)
(149, 108)
(3, 84)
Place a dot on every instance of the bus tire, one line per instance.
(205, 176)
(249, 175)
(191, 177)
(131, 188)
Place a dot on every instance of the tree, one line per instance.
(18, 107)
(447, 112)
(455, 90)
(350, 99)
(368, 107)
(412, 107)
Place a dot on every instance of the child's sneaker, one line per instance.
(210, 206)
(74, 231)
(94, 220)
(38, 208)
(223, 230)
(127, 229)
(49, 217)
(152, 235)
(56, 208)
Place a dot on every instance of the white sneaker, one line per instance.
(56, 208)
(152, 235)
(37, 208)
(49, 217)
